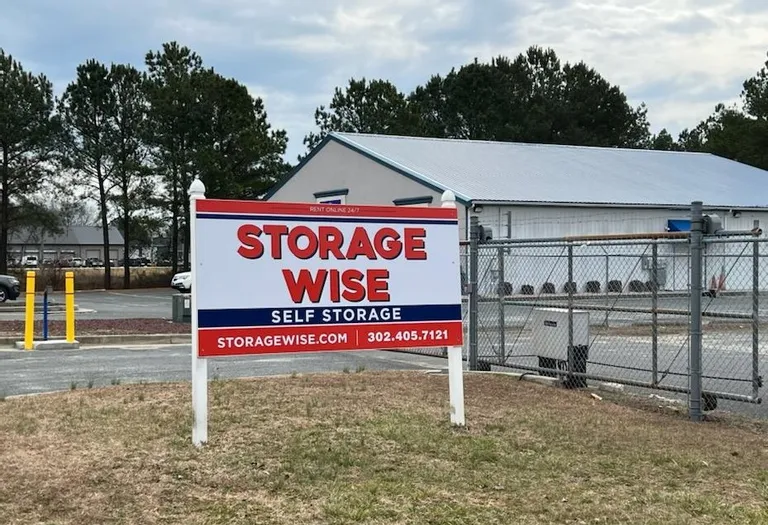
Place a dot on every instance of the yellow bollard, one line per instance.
(29, 318)
(69, 290)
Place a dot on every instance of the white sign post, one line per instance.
(455, 361)
(271, 277)
(199, 365)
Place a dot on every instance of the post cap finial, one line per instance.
(448, 198)
(197, 187)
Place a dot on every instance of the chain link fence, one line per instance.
(624, 310)
(734, 312)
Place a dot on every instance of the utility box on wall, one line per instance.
(550, 342)
(182, 308)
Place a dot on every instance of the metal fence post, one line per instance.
(502, 298)
(474, 235)
(570, 309)
(607, 280)
(755, 314)
(655, 314)
(694, 369)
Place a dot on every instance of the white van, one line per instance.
(29, 261)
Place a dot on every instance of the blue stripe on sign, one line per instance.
(354, 220)
(232, 318)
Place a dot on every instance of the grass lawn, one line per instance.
(372, 448)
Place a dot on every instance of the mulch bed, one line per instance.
(98, 327)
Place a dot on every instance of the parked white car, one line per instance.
(182, 282)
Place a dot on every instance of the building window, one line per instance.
(332, 196)
(413, 201)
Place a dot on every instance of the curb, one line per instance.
(171, 339)
(127, 339)
(528, 376)
(533, 377)
(120, 290)
(50, 344)
(38, 309)
(102, 290)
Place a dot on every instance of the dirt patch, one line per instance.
(57, 328)
(371, 448)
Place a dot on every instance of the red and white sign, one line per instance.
(294, 277)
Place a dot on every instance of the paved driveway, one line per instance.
(156, 303)
(118, 304)
(46, 371)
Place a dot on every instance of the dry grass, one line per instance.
(93, 278)
(371, 448)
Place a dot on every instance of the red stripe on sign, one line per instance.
(325, 210)
(292, 339)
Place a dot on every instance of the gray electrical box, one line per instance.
(485, 233)
(181, 308)
(713, 224)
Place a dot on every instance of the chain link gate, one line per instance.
(623, 309)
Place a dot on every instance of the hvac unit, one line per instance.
(550, 341)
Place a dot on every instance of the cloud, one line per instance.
(681, 57)
(699, 49)
(293, 112)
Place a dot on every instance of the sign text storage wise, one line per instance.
(295, 277)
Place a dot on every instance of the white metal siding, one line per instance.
(535, 266)
(529, 222)
(337, 167)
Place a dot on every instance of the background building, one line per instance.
(534, 191)
(84, 242)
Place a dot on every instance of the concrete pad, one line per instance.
(51, 344)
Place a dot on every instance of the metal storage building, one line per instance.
(530, 191)
(75, 241)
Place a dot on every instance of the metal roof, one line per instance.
(542, 173)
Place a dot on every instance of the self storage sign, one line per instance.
(277, 277)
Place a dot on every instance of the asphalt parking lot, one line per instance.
(727, 356)
(152, 303)
(56, 370)
(726, 363)
(156, 303)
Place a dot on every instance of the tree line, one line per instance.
(131, 141)
(536, 98)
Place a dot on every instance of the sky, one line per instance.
(680, 57)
